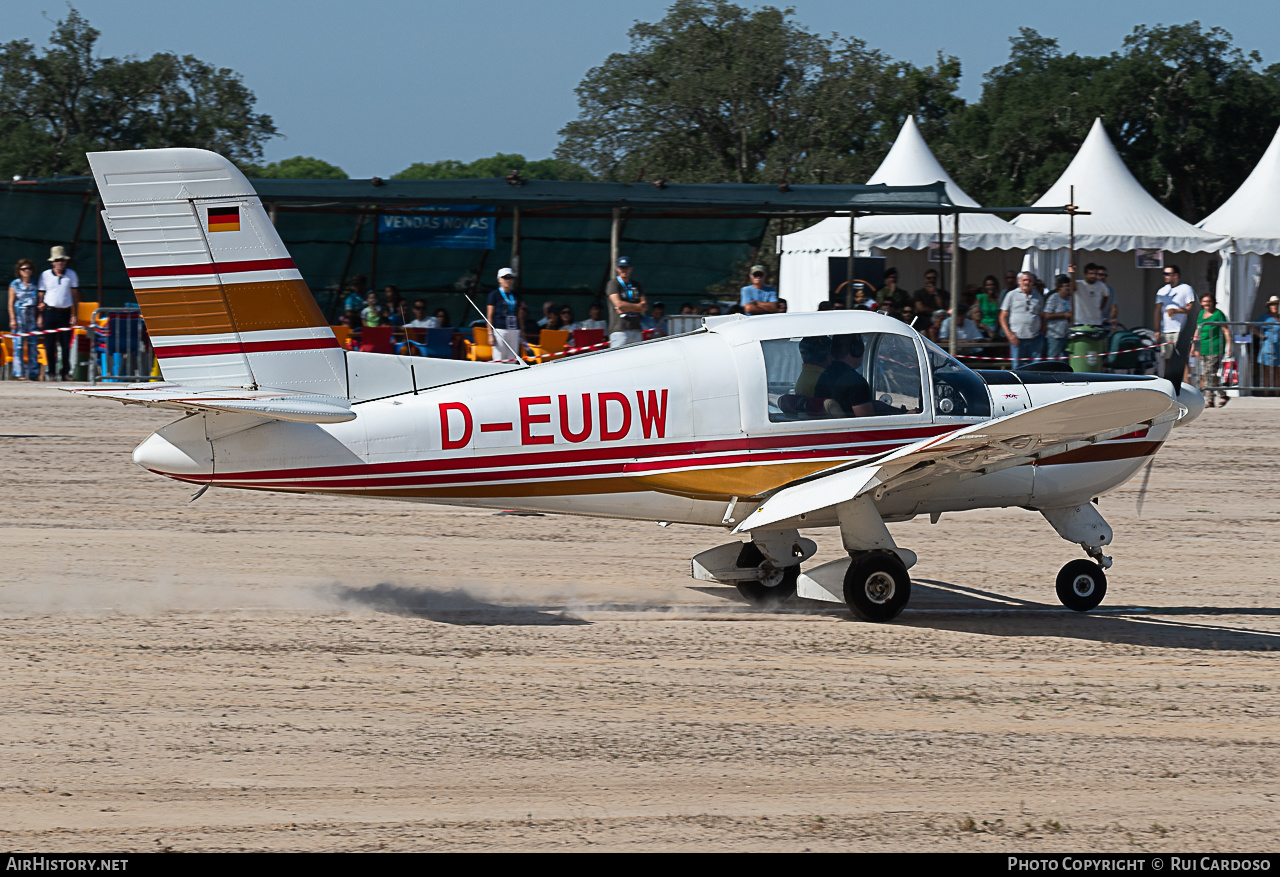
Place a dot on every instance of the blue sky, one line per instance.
(374, 86)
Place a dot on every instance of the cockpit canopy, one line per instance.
(865, 374)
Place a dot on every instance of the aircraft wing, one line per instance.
(972, 451)
(267, 404)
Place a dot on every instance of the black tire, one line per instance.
(773, 591)
(877, 587)
(1081, 585)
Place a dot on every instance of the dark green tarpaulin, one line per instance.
(681, 238)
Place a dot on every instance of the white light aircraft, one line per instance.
(757, 425)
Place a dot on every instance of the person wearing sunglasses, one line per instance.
(23, 299)
(1173, 302)
(757, 297)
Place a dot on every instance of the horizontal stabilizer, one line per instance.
(1020, 438)
(267, 404)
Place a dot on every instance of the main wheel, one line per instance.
(774, 587)
(1081, 585)
(877, 587)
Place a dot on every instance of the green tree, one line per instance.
(62, 101)
(299, 167)
(715, 92)
(495, 166)
(1010, 147)
(1189, 113)
(1192, 113)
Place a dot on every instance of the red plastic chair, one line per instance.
(587, 337)
(376, 339)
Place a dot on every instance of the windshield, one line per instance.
(957, 390)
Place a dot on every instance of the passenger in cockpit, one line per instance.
(842, 380)
(815, 356)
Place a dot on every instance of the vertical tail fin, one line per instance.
(223, 302)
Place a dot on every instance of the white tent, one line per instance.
(1252, 218)
(805, 254)
(1122, 216)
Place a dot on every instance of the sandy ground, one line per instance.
(267, 672)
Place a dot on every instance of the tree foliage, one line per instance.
(495, 166)
(715, 92)
(1189, 113)
(61, 101)
(300, 167)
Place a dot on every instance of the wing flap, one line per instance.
(267, 404)
(972, 451)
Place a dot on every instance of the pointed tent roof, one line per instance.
(1122, 215)
(1252, 214)
(910, 159)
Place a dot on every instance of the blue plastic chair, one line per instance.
(439, 343)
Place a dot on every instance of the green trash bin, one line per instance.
(1087, 348)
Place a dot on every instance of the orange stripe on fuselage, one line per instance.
(247, 307)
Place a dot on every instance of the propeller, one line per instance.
(1177, 364)
(1146, 479)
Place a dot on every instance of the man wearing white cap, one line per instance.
(505, 315)
(59, 300)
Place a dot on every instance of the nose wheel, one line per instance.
(1081, 585)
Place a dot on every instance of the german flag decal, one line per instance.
(224, 219)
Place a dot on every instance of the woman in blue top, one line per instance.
(23, 299)
(1269, 350)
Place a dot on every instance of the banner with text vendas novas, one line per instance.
(462, 227)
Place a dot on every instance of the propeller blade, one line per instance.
(1146, 479)
(1177, 364)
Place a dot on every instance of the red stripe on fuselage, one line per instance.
(621, 453)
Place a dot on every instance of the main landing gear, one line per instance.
(774, 586)
(877, 586)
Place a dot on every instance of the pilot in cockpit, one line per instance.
(842, 380)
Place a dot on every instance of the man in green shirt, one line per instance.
(1214, 339)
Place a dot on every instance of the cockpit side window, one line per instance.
(823, 377)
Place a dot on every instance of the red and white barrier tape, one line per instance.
(1070, 356)
(38, 332)
(566, 352)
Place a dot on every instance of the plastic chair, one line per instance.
(550, 342)
(120, 335)
(84, 313)
(587, 337)
(414, 343)
(376, 339)
(343, 334)
(479, 349)
(439, 343)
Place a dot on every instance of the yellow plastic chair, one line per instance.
(343, 334)
(550, 343)
(479, 349)
(84, 313)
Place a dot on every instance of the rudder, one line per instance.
(223, 302)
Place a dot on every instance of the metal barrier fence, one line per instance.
(1253, 366)
(119, 347)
